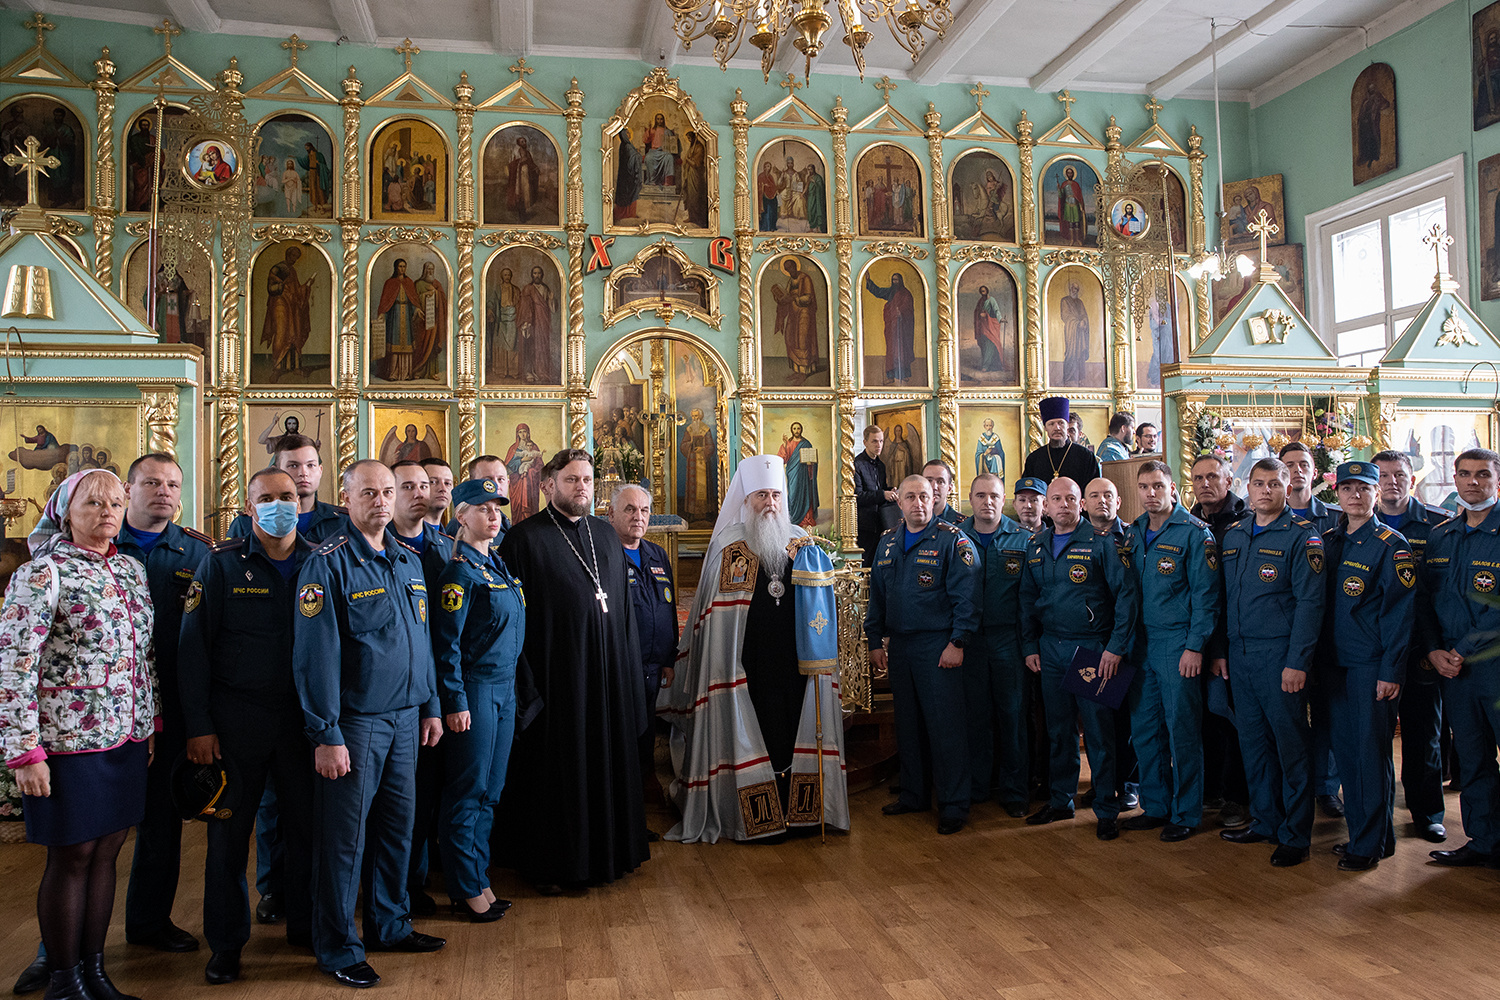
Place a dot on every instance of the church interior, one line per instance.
(454, 229)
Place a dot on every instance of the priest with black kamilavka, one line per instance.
(1059, 458)
(575, 779)
(754, 703)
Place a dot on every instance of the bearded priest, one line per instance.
(755, 670)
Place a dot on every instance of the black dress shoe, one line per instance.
(1331, 806)
(899, 808)
(1048, 814)
(1107, 828)
(169, 938)
(223, 967)
(1465, 857)
(33, 977)
(1288, 857)
(1343, 849)
(652, 836)
(1015, 810)
(488, 916)
(1244, 835)
(359, 975)
(952, 824)
(67, 984)
(97, 982)
(422, 905)
(268, 910)
(1173, 832)
(1087, 798)
(1356, 863)
(416, 942)
(549, 889)
(1143, 822)
(1433, 833)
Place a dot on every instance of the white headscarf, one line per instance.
(50, 528)
(759, 472)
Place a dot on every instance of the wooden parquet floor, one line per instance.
(892, 910)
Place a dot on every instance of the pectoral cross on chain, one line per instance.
(603, 599)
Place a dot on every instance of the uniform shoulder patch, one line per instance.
(1211, 552)
(194, 533)
(1196, 521)
(1315, 555)
(230, 544)
(310, 599)
(946, 526)
(330, 545)
(452, 597)
(336, 507)
(1303, 522)
(1406, 567)
(194, 597)
(407, 546)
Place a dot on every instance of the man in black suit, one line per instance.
(873, 498)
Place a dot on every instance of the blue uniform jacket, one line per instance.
(237, 631)
(325, 519)
(653, 592)
(1086, 593)
(1417, 524)
(1324, 516)
(361, 642)
(1371, 597)
(434, 555)
(949, 515)
(1461, 568)
(1179, 576)
(478, 624)
(1273, 585)
(931, 587)
(169, 572)
(1000, 565)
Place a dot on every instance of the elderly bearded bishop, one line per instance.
(756, 664)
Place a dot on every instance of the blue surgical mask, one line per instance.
(277, 518)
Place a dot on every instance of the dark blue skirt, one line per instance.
(93, 794)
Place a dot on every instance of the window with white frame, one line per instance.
(1368, 270)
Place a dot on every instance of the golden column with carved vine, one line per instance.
(847, 384)
(1121, 350)
(1032, 434)
(161, 418)
(1189, 409)
(229, 377)
(464, 361)
(103, 211)
(744, 231)
(947, 350)
(347, 406)
(1200, 236)
(577, 228)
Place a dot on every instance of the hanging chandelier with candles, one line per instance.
(765, 22)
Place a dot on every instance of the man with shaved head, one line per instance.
(1076, 593)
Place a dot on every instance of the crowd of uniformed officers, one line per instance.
(1159, 637)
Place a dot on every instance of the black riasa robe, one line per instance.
(574, 786)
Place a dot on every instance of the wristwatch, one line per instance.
(957, 644)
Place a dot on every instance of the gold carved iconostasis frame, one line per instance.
(356, 239)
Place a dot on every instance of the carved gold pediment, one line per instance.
(627, 290)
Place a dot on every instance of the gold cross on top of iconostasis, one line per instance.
(168, 31)
(1153, 106)
(32, 162)
(407, 49)
(39, 24)
(296, 45)
(1067, 99)
(790, 84)
(885, 86)
(979, 94)
(1439, 241)
(520, 68)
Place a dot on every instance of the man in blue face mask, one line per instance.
(240, 706)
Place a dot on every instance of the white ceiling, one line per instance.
(1159, 47)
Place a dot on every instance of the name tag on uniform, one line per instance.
(361, 595)
(184, 574)
(1270, 552)
(249, 591)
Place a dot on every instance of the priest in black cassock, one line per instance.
(575, 779)
(1060, 458)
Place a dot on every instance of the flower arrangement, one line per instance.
(1332, 438)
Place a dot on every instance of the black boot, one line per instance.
(99, 986)
(67, 984)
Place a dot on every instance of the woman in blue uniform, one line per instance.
(478, 623)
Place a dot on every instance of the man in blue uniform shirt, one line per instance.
(939, 476)
(1461, 567)
(922, 597)
(1303, 482)
(1371, 610)
(1175, 557)
(240, 703)
(362, 659)
(1421, 703)
(653, 595)
(994, 674)
(153, 491)
(1101, 507)
(1076, 592)
(1273, 595)
(440, 492)
(297, 456)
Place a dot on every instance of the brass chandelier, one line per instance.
(764, 22)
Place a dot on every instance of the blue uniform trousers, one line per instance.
(428, 819)
(269, 880)
(1470, 705)
(1421, 751)
(1362, 731)
(994, 691)
(363, 822)
(475, 777)
(1275, 741)
(1325, 768)
(158, 843)
(259, 743)
(1063, 713)
(1166, 719)
(930, 730)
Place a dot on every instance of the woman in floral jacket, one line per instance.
(77, 716)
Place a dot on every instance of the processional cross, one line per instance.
(34, 161)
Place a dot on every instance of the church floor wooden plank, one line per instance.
(893, 910)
